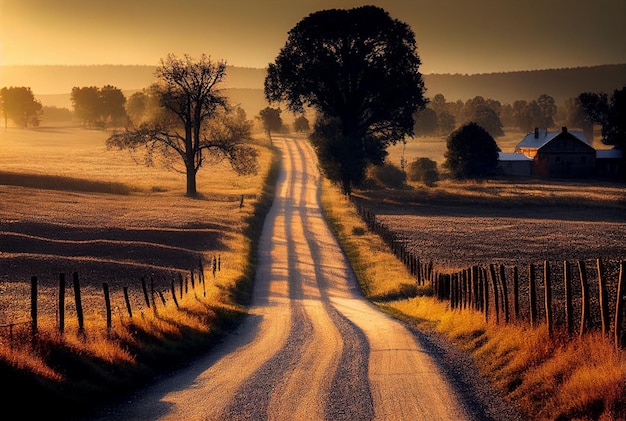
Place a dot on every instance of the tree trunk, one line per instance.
(191, 183)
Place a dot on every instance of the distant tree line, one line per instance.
(99, 107)
(440, 117)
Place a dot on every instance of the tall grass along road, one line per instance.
(312, 347)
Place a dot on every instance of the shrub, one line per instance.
(388, 175)
(423, 170)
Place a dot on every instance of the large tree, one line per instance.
(471, 153)
(19, 104)
(359, 68)
(195, 124)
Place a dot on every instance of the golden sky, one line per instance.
(453, 36)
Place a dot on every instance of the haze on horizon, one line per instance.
(453, 36)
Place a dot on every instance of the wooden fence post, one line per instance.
(485, 293)
(107, 303)
(567, 275)
(180, 282)
(174, 294)
(162, 297)
(61, 302)
(548, 295)
(33, 304)
(127, 299)
(144, 287)
(494, 282)
(532, 294)
(584, 314)
(152, 291)
(515, 293)
(476, 295)
(619, 307)
(79, 303)
(505, 295)
(603, 299)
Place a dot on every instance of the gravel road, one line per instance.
(312, 347)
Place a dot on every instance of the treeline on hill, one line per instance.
(505, 87)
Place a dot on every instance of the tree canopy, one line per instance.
(471, 153)
(19, 104)
(359, 68)
(99, 106)
(271, 119)
(608, 111)
(195, 123)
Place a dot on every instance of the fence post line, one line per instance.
(477, 288)
(127, 299)
(107, 303)
(61, 302)
(548, 296)
(532, 295)
(33, 305)
(584, 314)
(567, 281)
(79, 304)
(619, 306)
(602, 297)
(180, 282)
(505, 294)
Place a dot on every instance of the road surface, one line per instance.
(312, 348)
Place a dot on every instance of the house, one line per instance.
(564, 154)
(514, 165)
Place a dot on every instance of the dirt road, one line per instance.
(312, 347)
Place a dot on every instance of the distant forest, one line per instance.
(53, 84)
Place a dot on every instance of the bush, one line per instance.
(388, 175)
(423, 170)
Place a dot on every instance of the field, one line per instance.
(67, 204)
(503, 221)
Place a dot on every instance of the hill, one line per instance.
(52, 84)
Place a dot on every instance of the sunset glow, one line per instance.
(453, 36)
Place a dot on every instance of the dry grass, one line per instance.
(549, 378)
(70, 205)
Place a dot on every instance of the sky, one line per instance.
(453, 36)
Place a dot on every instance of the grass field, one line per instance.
(548, 377)
(67, 204)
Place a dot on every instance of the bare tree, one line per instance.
(195, 124)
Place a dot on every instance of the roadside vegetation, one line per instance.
(549, 378)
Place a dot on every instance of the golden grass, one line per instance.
(379, 272)
(548, 377)
(59, 177)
